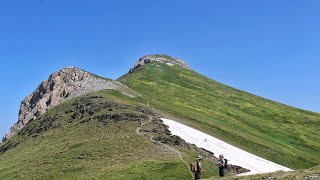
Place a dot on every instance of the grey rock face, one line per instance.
(170, 61)
(68, 83)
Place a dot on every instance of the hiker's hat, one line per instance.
(221, 155)
(199, 157)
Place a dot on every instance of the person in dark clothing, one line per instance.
(198, 169)
(221, 164)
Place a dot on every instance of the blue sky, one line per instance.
(269, 48)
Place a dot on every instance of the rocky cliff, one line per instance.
(68, 83)
(170, 61)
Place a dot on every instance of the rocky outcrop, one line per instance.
(68, 83)
(170, 61)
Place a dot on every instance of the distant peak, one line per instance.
(71, 68)
(162, 58)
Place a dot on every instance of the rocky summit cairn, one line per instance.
(68, 83)
(170, 61)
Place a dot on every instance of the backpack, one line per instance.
(225, 163)
(193, 167)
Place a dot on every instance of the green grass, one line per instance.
(141, 170)
(57, 146)
(277, 132)
(77, 149)
(309, 174)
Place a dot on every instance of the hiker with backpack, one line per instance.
(196, 168)
(223, 164)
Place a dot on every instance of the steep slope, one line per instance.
(66, 84)
(104, 134)
(101, 135)
(93, 136)
(274, 131)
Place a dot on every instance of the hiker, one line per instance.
(198, 168)
(222, 165)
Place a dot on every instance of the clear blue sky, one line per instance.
(270, 48)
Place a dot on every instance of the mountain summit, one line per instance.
(66, 84)
(160, 58)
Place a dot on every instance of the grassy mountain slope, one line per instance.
(94, 137)
(312, 174)
(280, 133)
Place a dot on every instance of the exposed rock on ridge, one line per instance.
(68, 83)
(162, 59)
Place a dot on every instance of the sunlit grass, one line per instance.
(280, 133)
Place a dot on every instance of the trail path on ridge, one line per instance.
(138, 131)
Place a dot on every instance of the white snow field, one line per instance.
(235, 156)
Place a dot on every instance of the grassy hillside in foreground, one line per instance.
(309, 174)
(280, 133)
(94, 137)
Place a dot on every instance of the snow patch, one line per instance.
(235, 156)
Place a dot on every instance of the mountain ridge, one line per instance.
(65, 84)
(253, 123)
(73, 82)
